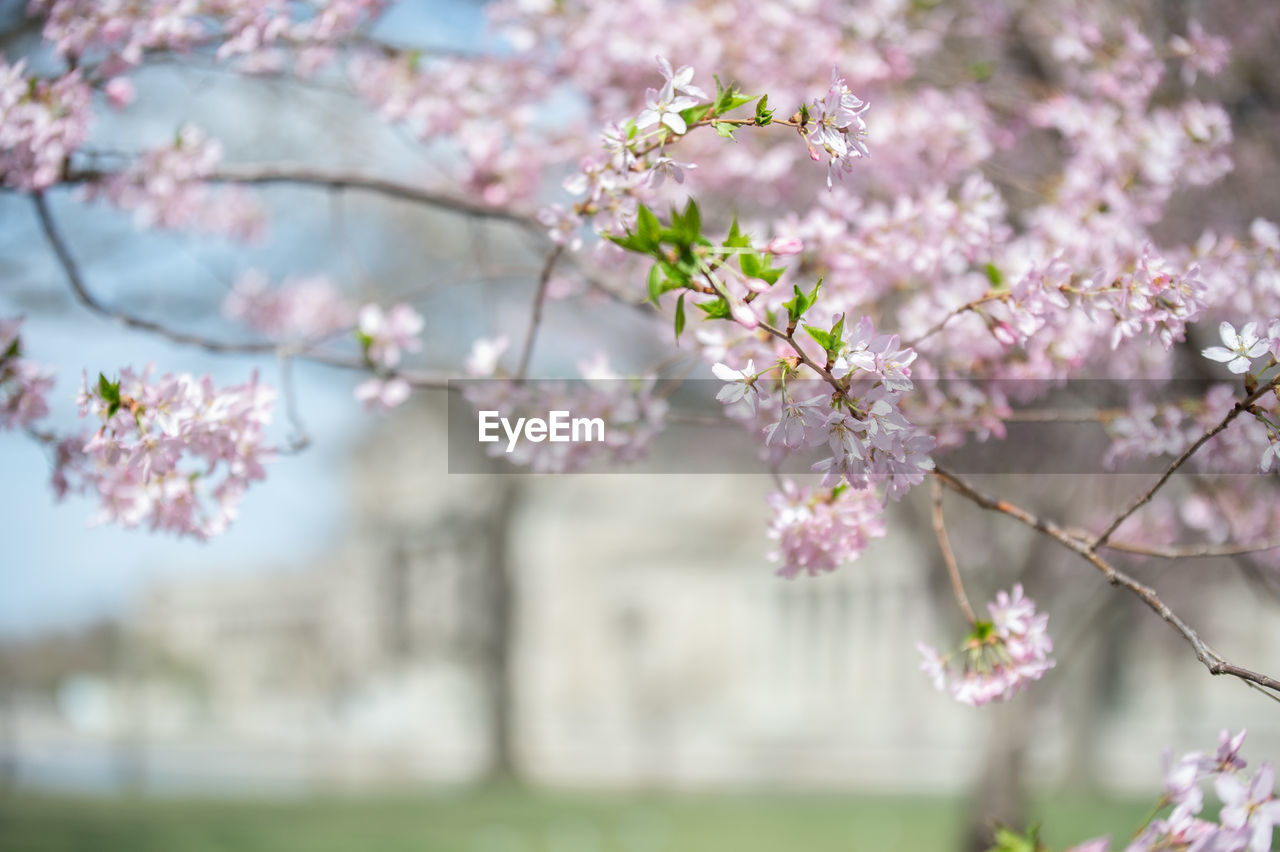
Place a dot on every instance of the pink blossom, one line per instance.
(999, 658)
(24, 385)
(784, 246)
(174, 453)
(741, 385)
(1239, 350)
(1252, 807)
(377, 394)
(166, 188)
(42, 122)
(302, 308)
(836, 127)
(387, 335)
(485, 352)
(819, 531)
(119, 91)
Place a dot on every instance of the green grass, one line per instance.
(518, 821)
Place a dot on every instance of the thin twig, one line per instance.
(535, 314)
(948, 556)
(1211, 660)
(287, 173)
(1143, 498)
(1194, 551)
(219, 347)
(86, 298)
(965, 308)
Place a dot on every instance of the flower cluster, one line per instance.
(636, 162)
(1245, 823)
(117, 33)
(385, 335)
(859, 419)
(300, 309)
(174, 453)
(42, 122)
(24, 385)
(834, 125)
(166, 188)
(818, 531)
(1155, 297)
(999, 658)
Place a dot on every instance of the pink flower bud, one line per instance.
(742, 314)
(120, 92)
(784, 246)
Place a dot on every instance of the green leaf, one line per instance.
(725, 129)
(728, 99)
(982, 71)
(718, 309)
(108, 390)
(686, 227)
(14, 350)
(679, 316)
(823, 338)
(751, 264)
(110, 393)
(994, 275)
(693, 218)
(801, 302)
(764, 115)
(1008, 840)
(655, 284)
(694, 114)
(837, 330)
(771, 275)
(736, 238)
(648, 229)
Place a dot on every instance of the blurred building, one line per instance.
(650, 644)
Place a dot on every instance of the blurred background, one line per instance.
(382, 656)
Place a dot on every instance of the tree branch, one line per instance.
(286, 173)
(535, 314)
(948, 556)
(218, 347)
(1211, 660)
(1145, 497)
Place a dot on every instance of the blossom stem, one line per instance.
(948, 556)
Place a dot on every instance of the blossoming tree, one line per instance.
(890, 230)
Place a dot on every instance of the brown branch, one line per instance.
(1211, 660)
(72, 271)
(285, 173)
(1145, 497)
(1194, 551)
(948, 556)
(75, 279)
(965, 308)
(535, 314)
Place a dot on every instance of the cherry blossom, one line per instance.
(1239, 350)
(166, 188)
(818, 531)
(42, 122)
(382, 394)
(300, 308)
(835, 126)
(24, 385)
(386, 335)
(173, 453)
(999, 658)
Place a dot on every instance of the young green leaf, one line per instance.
(679, 316)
